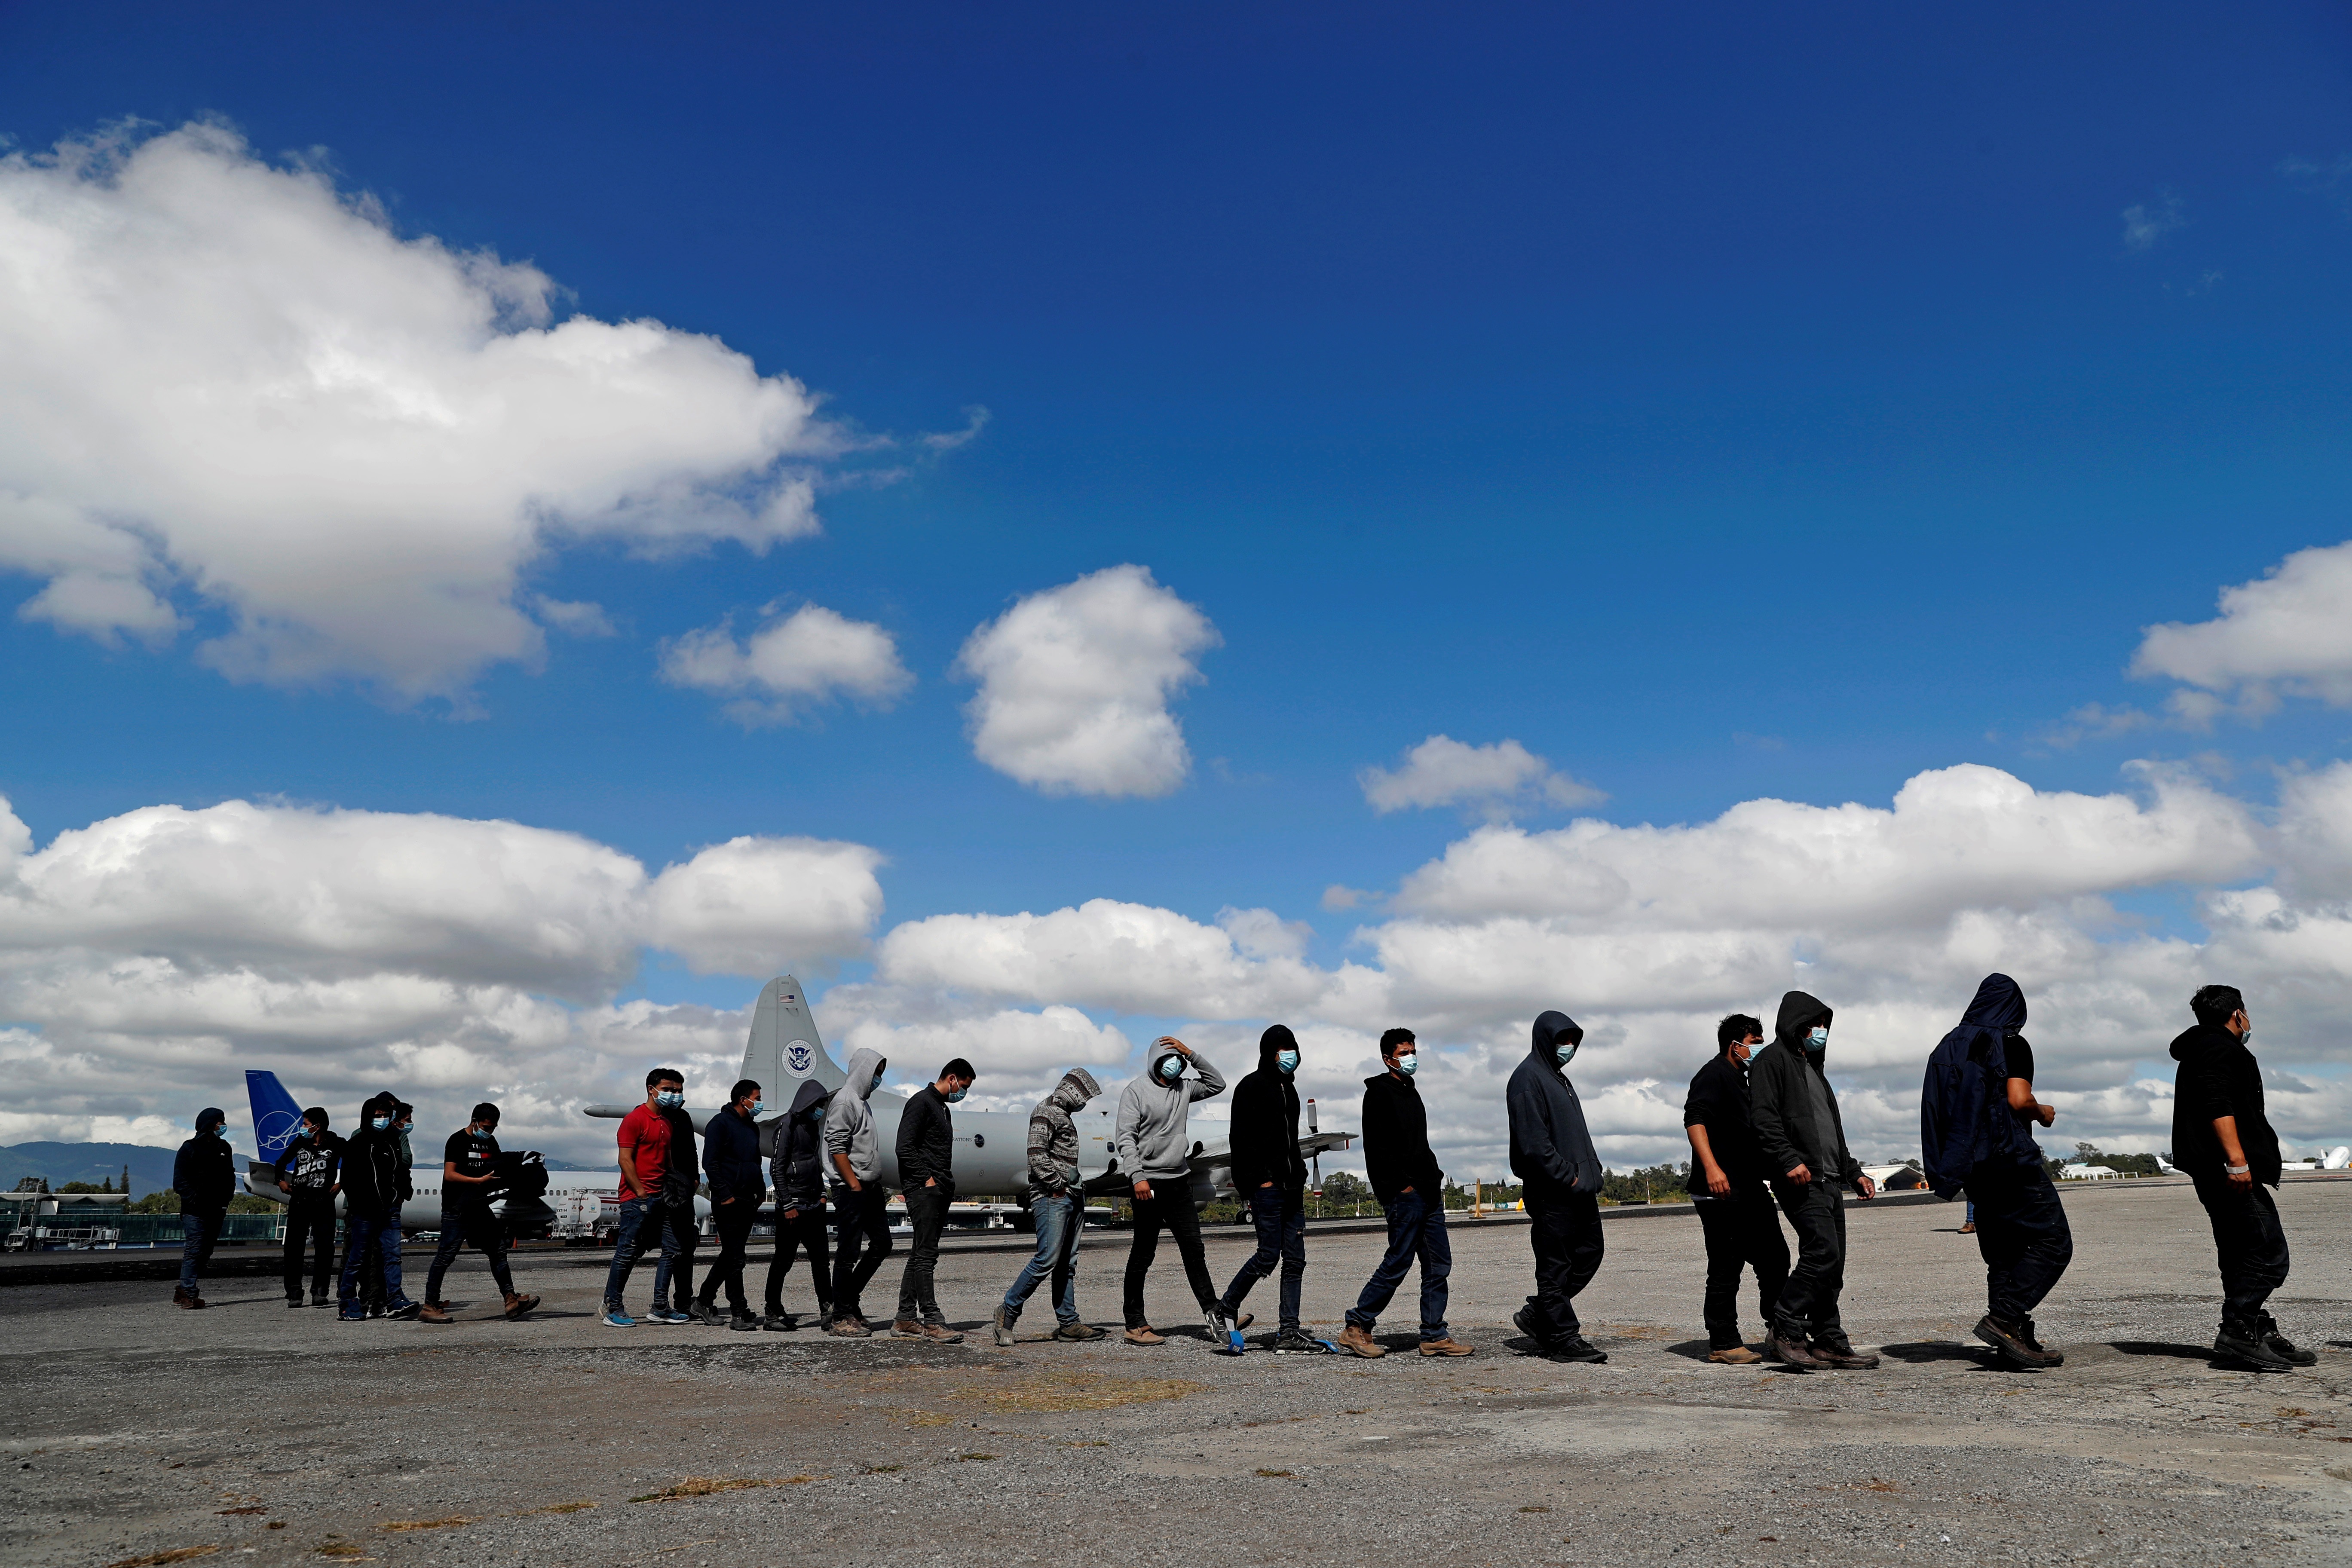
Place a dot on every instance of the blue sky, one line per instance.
(1720, 404)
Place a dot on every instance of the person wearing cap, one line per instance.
(470, 1169)
(309, 1173)
(205, 1175)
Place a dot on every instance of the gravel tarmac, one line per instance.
(136, 1434)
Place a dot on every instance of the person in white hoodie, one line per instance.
(861, 1224)
(1155, 1152)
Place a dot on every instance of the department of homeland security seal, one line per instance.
(799, 1056)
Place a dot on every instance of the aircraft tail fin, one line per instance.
(784, 1047)
(275, 1114)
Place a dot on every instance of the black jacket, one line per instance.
(1718, 1101)
(204, 1175)
(730, 1159)
(926, 1140)
(1264, 1137)
(1396, 1141)
(1551, 1151)
(374, 1184)
(1781, 1100)
(798, 1169)
(2219, 1077)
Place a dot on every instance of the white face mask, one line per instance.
(1405, 1064)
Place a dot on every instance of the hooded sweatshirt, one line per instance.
(1265, 1120)
(1968, 1134)
(849, 1120)
(374, 1183)
(205, 1174)
(1791, 1103)
(1151, 1137)
(1396, 1141)
(798, 1168)
(1551, 1151)
(1053, 1136)
(2219, 1077)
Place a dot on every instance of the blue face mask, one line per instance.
(1404, 1065)
(875, 1085)
(484, 1133)
(955, 1096)
(1565, 1051)
(1172, 1068)
(220, 1131)
(380, 1122)
(1287, 1060)
(1818, 1041)
(758, 1106)
(306, 1131)
(669, 1098)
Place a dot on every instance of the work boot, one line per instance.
(183, 1297)
(2052, 1358)
(940, 1333)
(907, 1329)
(518, 1304)
(1141, 1335)
(705, 1312)
(2244, 1342)
(2015, 1343)
(1449, 1345)
(1841, 1355)
(1001, 1327)
(1075, 1331)
(849, 1326)
(1357, 1340)
(2283, 1346)
(1734, 1355)
(1791, 1352)
(1969, 1229)
(434, 1312)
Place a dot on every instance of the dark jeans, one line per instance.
(476, 1225)
(199, 1234)
(2022, 1233)
(1416, 1229)
(1170, 1206)
(926, 1211)
(1059, 1223)
(641, 1220)
(1743, 1231)
(2250, 1242)
(312, 1221)
(1280, 1217)
(803, 1232)
(861, 1240)
(734, 1221)
(373, 1240)
(1808, 1301)
(1564, 1229)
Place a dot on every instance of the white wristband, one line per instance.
(2237, 1169)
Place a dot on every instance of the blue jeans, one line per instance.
(1416, 1229)
(376, 1234)
(1280, 1215)
(1057, 1255)
(201, 1234)
(640, 1218)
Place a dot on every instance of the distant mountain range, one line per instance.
(151, 1168)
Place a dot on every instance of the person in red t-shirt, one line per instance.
(659, 1172)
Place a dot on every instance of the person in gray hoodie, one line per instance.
(861, 1223)
(797, 1172)
(1552, 1156)
(1154, 1149)
(1795, 1114)
(1057, 1201)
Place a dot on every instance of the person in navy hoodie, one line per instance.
(1561, 1176)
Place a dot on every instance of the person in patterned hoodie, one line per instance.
(1057, 1202)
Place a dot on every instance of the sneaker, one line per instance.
(1076, 1331)
(321, 1299)
(1794, 1353)
(665, 1317)
(1141, 1335)
(1734, 1355)
(1357, 1340)
(744, 1322)
(999, 1328)
(2283, 1346)
(849, 1326)
(1220, 1324)
(704, 1312)
(352, 1313)
(906, 1328)
(402, 1310)
(2015, 1345)
(614, 1318)
(1526, 1323)
(1576, 1347)
(939, 1333)
(1449, 1345)
(434, 1312)
(295, 1302)
(1841, 1356)
(2244, 1342)
(779, 1323)
(1298, 1342)
(518, 1304)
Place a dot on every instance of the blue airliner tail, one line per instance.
(275, 1114)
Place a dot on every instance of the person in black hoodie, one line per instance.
(309, 1173)
(1412, 1191)
(798, 1173)
(205, 1175)
(1728, 1186)
(927, 1171)
(731, 1162)
(2222, 1140)
(1272, 1179)
(1795, 1115)
(374, 1186)
(1559, 1172)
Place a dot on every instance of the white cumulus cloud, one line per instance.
(2288, 632)
(230, 390)
(790, 666)
(1493, 780)
(1074, 683)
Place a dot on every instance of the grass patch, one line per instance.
(347, 1551)
(922, 1417)
(1069, 1391)
(1537, 1508)
(879, 1469)
(972, 1458)
(580, 1507)
(702, 1486)
(1275, 1475)
(157, 1559)
(405, 1524)
(231, 1511)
